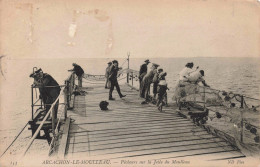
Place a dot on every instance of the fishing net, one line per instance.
(234, 114)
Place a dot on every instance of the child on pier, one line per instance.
(162, 91)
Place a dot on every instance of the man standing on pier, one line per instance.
(113, 79)
(108, 84)
(142, 73)
(146, 82)
(79, 72)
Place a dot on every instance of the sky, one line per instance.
(112, 28)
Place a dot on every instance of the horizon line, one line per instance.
(13, 58)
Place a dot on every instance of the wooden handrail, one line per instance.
(40, 126)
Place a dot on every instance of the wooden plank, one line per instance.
(142, 141)
(64, 139)
(169, 150)
(222, 156)
(178, 154)
(138, 130)
(112, 127)
(124, 124)
(122, 138)
(154, 146)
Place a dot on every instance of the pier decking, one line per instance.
(132, 130)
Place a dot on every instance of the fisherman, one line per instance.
(142, 73)
(79, 72)
(49, 89)
(108, 84)
(156, 81)
(113, 79)
(146, 82)
(35, 76)
(162, 88)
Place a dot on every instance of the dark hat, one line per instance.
(202, 72)
(191, 64)
(109, 62)
(147, 60)
(38, 71)
(155, 65)
(32, 75)
(114, 61)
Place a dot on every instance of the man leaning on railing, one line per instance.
(49, 89)
(79, 72)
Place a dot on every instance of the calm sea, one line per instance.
(240, 75)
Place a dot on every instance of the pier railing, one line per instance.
(69, 89)
(36, 133)
(130, 75)
(66, 90)
(236, 113)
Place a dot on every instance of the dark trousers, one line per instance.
(155, 85)
(140, 82)
(147, 91)
(107, 85)
(106, 82)
(162, 94)
(114, 84)
(80, 80)
(141, 88)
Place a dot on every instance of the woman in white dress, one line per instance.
(182, 86)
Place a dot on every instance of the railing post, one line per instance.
(53, 120)
(65, 101)
(68, 84)
(242, 120)
(204, 98)
(32, 101)
(132, 78)
(73, 80)
(127, 78)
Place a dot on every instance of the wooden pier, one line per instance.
(130, 129)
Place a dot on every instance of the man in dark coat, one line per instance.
(79, 72)
(142, 73)
(49, 89)
(113, 79)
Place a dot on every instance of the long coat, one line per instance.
(142, 72)
(146, 82)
